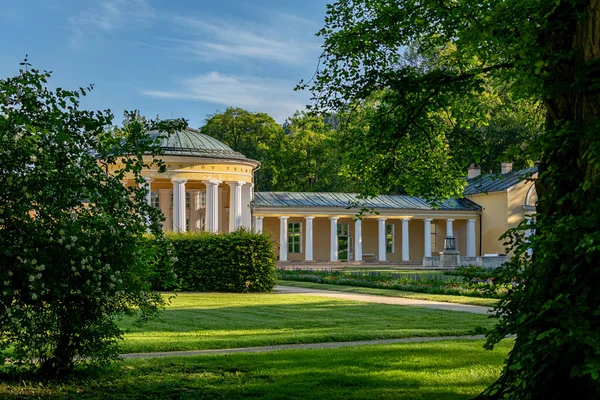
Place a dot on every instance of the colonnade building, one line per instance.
(209, 187)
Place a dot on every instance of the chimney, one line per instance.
(505, 167)
(473, 171)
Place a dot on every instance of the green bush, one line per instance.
(230, 262)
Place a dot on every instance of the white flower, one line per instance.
(34, 296)
(31, 278)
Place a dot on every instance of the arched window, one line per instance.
(532, 197)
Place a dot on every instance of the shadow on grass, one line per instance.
(442, 370)
(326, 313)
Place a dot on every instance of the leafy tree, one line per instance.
(312, 157)
(256, 135)
(542, 51)
(69, 228)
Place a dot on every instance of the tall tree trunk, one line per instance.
(558, 344)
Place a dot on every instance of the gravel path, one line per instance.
(438, 305)
(329, 345)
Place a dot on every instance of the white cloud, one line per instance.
(276, 98)
(220, 39)
(108, 16)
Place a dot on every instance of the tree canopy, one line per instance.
(410, 122)
(69, 228)
(256, 135)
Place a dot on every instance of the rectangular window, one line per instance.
(187, 224)
(389, 238)
(343, 229)
(203, 198)
(187, 199)
(155, 199)
(294, 237)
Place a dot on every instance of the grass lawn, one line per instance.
(217, 320)
(440, 371)
(476, 301)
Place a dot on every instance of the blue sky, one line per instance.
(180, 58)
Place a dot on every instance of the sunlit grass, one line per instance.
(211, 321)
(437, 370)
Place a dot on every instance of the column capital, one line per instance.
(211, 182)
(472, 220)
(334, 218)
(309, 218)
(450, 219)
(284, 217)
(382, 219)
(235, 183)
(179, 180)
(406, 219)
(260, 217)
(148, 179)
(428, 219)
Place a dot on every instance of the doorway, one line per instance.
(345, 243)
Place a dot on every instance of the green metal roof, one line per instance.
(497, 182)
(190, 142)
(346, 200)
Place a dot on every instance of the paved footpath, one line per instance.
(438, 305)
(329, 345)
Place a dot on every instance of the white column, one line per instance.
(427, 237)
(146, 185)
(405, 244)
(212, 206)
(471, 238)
(449, 230)
(358, 240)
(309, 239)
(528, 233)
(247, 195)
(333, 251)
(235, 205)
(179, 204)
(382, 244)
(255, 226)
(283, 238)
(165, 207)
(259, 229)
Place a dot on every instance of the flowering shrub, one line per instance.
(69, 228)
(229, 262)
(434, 284)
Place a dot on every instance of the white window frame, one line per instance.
(393, 234)
(290, 242)
(155, 199)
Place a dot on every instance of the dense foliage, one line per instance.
(421, 283)
(69, 228)
(230, 262)
(255, 135)
(410, 120)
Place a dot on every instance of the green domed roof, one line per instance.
(190, 142)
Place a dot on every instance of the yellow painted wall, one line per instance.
(516, 200)
(494, 217)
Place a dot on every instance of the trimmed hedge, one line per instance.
(229, 262)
